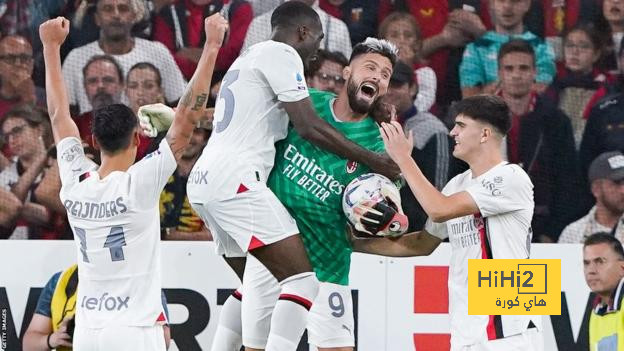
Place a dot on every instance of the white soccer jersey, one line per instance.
(501, 229)
(248, 120)
(116, 227)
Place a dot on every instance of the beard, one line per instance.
(102, 99)
(358, 105)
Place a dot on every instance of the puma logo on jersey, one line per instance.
(107, 302)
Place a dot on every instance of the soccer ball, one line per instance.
(376, 188)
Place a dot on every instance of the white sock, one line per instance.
(228, 336)
(290, 315)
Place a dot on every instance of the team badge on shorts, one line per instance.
(351, 166)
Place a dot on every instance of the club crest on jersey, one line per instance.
(351, 166)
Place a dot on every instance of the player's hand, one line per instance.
(155, 118)
(215, 27)
(53, 32)
(397, 145)
(60, 337)
(380, 218)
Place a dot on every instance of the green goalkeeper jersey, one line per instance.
(310, 181)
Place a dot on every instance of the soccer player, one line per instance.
(261, 92)
(113, 208)
(310, 181)
(485, 212)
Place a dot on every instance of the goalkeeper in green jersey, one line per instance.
(309, 182)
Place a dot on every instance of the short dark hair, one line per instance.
(113, 126)
(487, 108)
(376, 46)
(147, 65)
(292, 14)
(605, 238)
(516, 45)
(323, 55)
(108, 58)
(592, 33)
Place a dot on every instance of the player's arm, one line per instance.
(438, 206)
(412, 244)
(192, 105)
(40, 327)
(53, 33)
(317, 131)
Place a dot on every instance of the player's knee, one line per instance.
(300, 288)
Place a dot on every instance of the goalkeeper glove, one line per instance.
(155, 118)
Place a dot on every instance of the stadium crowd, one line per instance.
(559, 65)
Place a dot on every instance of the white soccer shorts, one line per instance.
(251, 219)
(330, 321)
(120, 338)
(530, 340)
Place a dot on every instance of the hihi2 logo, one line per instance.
(513, 287)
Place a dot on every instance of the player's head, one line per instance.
(368, 74)
(115, 129)
(103, 81)
(480, 119)
(299, 26)
(603, 262)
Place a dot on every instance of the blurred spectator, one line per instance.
(578, 80)
(25, 131)
(360, 16)
(103, 84)
(180, 28)
(610, 23)
(540, 141)
(178, 220)
(144, 86)
(16, 68)
(552, 19)
(52, 324)
(603, 266)
(84, 28)
(115, 19)
(446, 26)
(478, 69)
(431, 139)
(336, 32)
(604, 130)
(325, 73)
(401, 29)
(262, 6)
(606, 176)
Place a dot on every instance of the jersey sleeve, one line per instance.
(507, 189)
(44, 303)
(283, 70)
(438, 230)
(152, 173)
(71, 160)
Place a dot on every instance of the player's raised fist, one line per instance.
(215, 27)
(54, 31)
